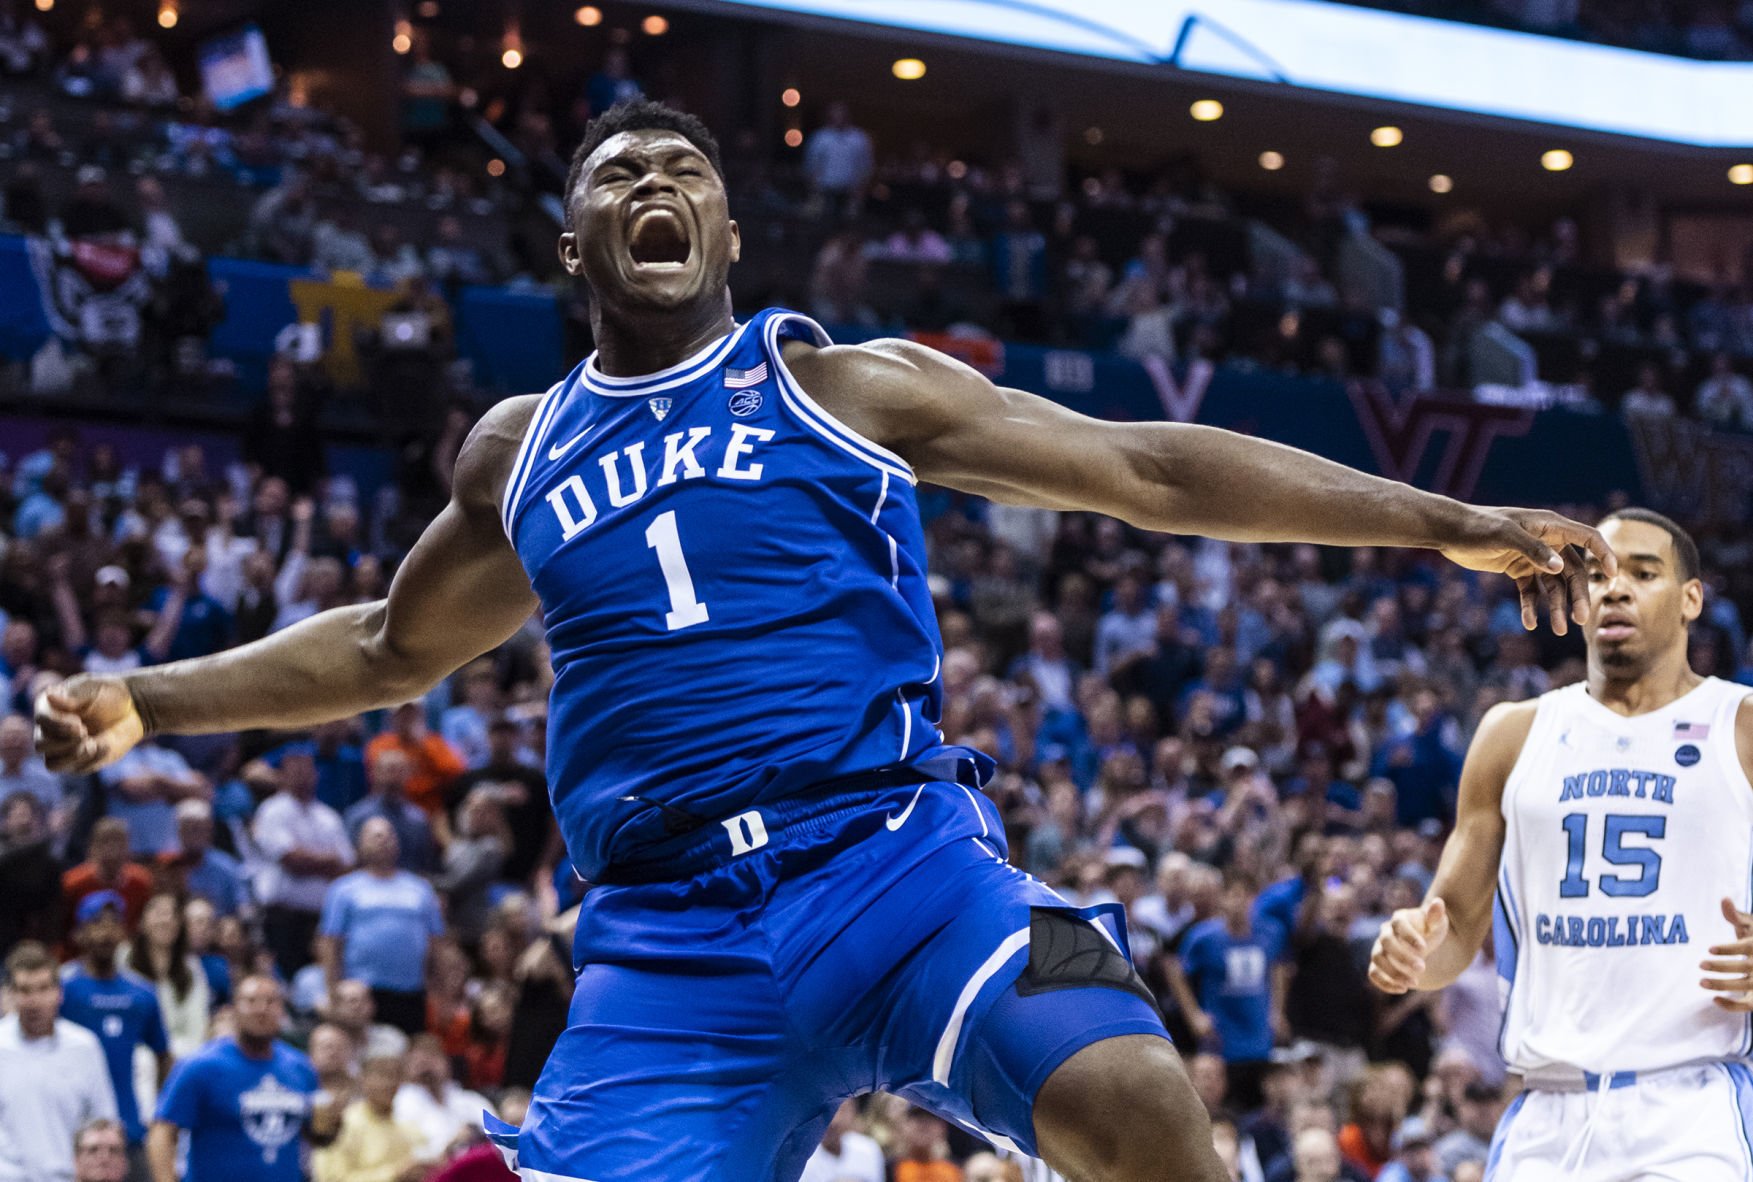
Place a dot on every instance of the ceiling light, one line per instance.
(1441, 183)
(908, 69)
(588, 16)
(1741, 174)
(1557, 160)
(1206, 110)
(1271, 161)
(655, 25)
(790, 96)
(1387, 137)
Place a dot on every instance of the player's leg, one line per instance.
(1122, 1110)
(1020, 1018)
(677, 1063)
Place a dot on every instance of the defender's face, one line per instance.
(1642, 611)
(650, 223)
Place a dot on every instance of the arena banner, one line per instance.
(1343, 49)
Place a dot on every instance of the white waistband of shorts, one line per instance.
(1575, 1079)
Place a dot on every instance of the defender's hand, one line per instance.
(86, 722)
(1545, 554)
(1397, 961)
(1736, 960)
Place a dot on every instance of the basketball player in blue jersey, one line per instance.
(1612, 823)
(800, 893)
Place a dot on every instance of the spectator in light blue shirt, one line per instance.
(143, 788)
(377, 927)
(210, 874)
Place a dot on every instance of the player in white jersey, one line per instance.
(1615, 820)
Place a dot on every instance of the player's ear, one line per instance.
(1692, 599)
(736, 242)
(569, 258)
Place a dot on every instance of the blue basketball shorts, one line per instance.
(828, 948)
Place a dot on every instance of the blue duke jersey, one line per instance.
(1622, 837)
(734, 588)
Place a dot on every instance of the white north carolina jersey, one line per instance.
(1623, 836)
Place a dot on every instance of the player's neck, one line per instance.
(631, 344)
(1670, 679)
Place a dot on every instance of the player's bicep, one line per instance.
(460, 592)
(956, 428)
(1466, 877)
(1018, 448)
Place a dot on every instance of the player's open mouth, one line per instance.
(658, 241)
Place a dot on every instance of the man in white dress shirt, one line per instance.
(53, 1078)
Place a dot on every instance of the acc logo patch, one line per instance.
(745, 402)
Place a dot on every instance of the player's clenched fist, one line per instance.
(85, 723)
(1397, 961)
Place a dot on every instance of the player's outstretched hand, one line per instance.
(1397, 961)
(1734, 959)
(1546, 554)
(86, 722)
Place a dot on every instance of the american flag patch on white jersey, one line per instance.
(1691, 730)
(737, 379)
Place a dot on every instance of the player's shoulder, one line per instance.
(488, 454)
(1510, 721)
(880, 363)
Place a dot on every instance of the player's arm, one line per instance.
(1733, 959)
(460, 592)
(958, 429)
(1428, 946)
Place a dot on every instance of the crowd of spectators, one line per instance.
(916, 237)
(1254, 749)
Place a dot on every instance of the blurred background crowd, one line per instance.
(1254, 749)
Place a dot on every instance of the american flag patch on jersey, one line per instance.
(1691, 730)
(737, 379)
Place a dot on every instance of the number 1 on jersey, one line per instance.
(685, 610)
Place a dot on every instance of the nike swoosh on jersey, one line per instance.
(560, 449)
(894, 822)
